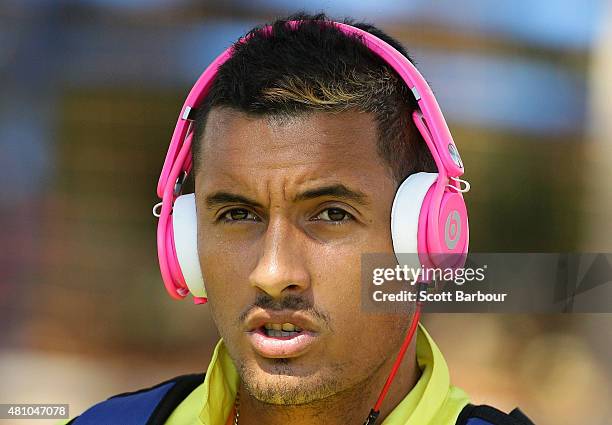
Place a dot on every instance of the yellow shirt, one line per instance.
(432, 401)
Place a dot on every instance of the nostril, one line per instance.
(293, 287)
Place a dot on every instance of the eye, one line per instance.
(238, 214)
(334, 215)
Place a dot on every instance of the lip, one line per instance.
(281, 347)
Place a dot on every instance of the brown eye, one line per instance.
(239, 214)
(334, 215)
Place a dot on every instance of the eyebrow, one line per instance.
(223, 198)
(336, 191)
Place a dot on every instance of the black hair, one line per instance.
(316, 67)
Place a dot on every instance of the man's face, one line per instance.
(285, 210)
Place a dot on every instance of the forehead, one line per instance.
(236, 144)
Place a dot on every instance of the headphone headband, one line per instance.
(432, 115)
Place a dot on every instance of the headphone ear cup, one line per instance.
(185, 228)
(406, 214)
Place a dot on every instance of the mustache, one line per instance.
(288, 302)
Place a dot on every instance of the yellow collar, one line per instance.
(432, 400)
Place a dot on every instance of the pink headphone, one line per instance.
(428, 217)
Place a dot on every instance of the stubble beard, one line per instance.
(284, 387)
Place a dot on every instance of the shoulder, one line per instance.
(147, 406)
(487, 415)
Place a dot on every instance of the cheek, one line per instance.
(336, 269)
(222, 261)
(224, 269)
(342, 293)
(337, 290)
(359, 339)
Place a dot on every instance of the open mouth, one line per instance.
(281, 340)
(276, 334)
(277, 330)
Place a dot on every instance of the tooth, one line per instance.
(298, 329)
(276, 333)
(285, 333)
(276, 326)
(268, 326)
(288, 327)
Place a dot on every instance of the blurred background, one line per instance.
(89, 94)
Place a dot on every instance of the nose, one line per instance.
(281, 266)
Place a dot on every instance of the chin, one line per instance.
(280, 383)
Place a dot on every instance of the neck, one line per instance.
(347, 407)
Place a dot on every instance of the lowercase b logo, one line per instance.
(452, 229)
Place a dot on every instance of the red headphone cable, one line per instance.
(375, 411)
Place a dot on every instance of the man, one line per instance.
(298, 150)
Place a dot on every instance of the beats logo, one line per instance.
(452, 229)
